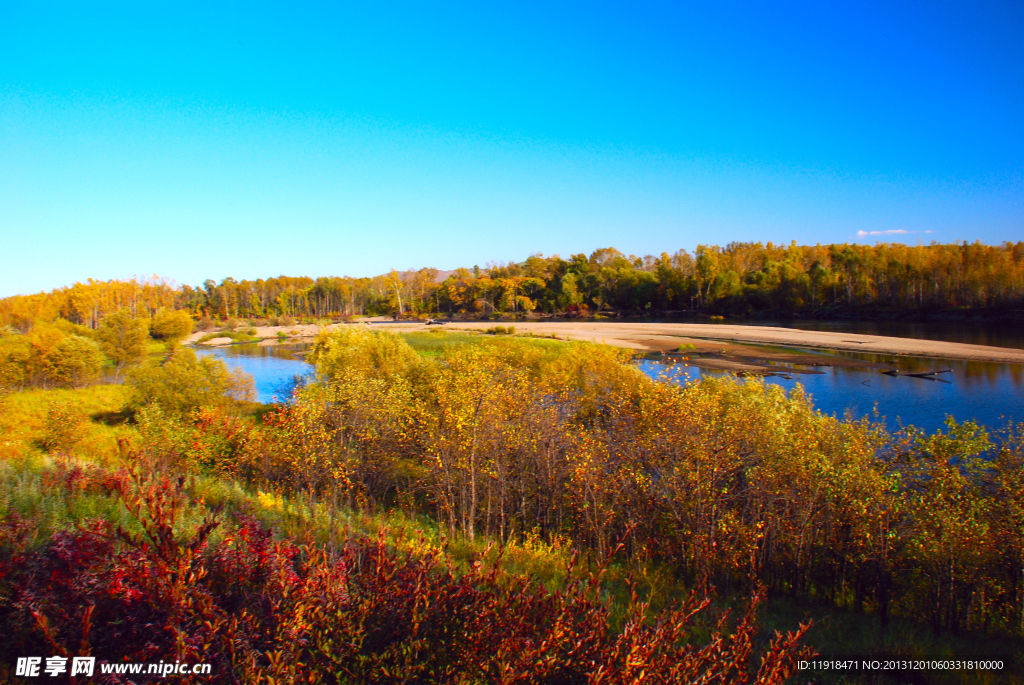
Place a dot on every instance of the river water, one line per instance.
(990, 394)
(273, 367)
(979, 333)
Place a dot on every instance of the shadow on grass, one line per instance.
(842, 634)
(112, 418)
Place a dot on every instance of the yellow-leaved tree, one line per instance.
(123, 339)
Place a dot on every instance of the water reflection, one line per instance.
(988, 393)
(996, 335)
(274, 367)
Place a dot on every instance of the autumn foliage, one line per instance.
(262, 609)
(506, 439)
(738, 278)
(725, 488)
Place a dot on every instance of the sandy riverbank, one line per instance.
(734, 347)
(670, 336)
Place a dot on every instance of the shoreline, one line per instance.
(737, 345)
(670, 336)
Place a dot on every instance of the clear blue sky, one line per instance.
(348, 138)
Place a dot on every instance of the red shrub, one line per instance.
(265, 610)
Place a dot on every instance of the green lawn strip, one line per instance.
(234, 335)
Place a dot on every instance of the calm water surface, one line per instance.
(987, 393)
(272, 366)
(996, 335)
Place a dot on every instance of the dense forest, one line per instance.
(740, 279)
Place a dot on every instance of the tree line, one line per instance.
(740, 279)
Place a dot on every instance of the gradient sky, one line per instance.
(257, 139)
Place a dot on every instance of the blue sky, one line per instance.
(258, 139)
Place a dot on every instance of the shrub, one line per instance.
(171, 326)
(206, 440)
(123, 339)
(185, 382)
(286, 321)
(62, 427)
(261, 609)
(15, 353)
(377, 353)
(48, 357)
(74, 328)
(74, 361)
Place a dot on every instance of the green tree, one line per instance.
(375, 353)
(570, 294)
(123, 339)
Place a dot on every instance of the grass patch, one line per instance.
(234, 335)
(433, 342)
(156, 348)
(24, 420)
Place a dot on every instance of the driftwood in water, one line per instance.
(762, 374)
(930, 375)
(926, 374)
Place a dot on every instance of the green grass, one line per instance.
(234, 335)
(433, 342)
(23, 421)
(156, 348)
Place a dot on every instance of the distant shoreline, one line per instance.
(664, 337)
(670, 337)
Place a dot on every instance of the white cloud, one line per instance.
(895, 231)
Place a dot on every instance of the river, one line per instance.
(989, 393)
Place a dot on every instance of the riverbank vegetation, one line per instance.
(740, 279)
(139, 525)
(472, 508)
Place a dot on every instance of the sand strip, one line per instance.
(704, 338)
(670, 336)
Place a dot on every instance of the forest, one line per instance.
(740, 279)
